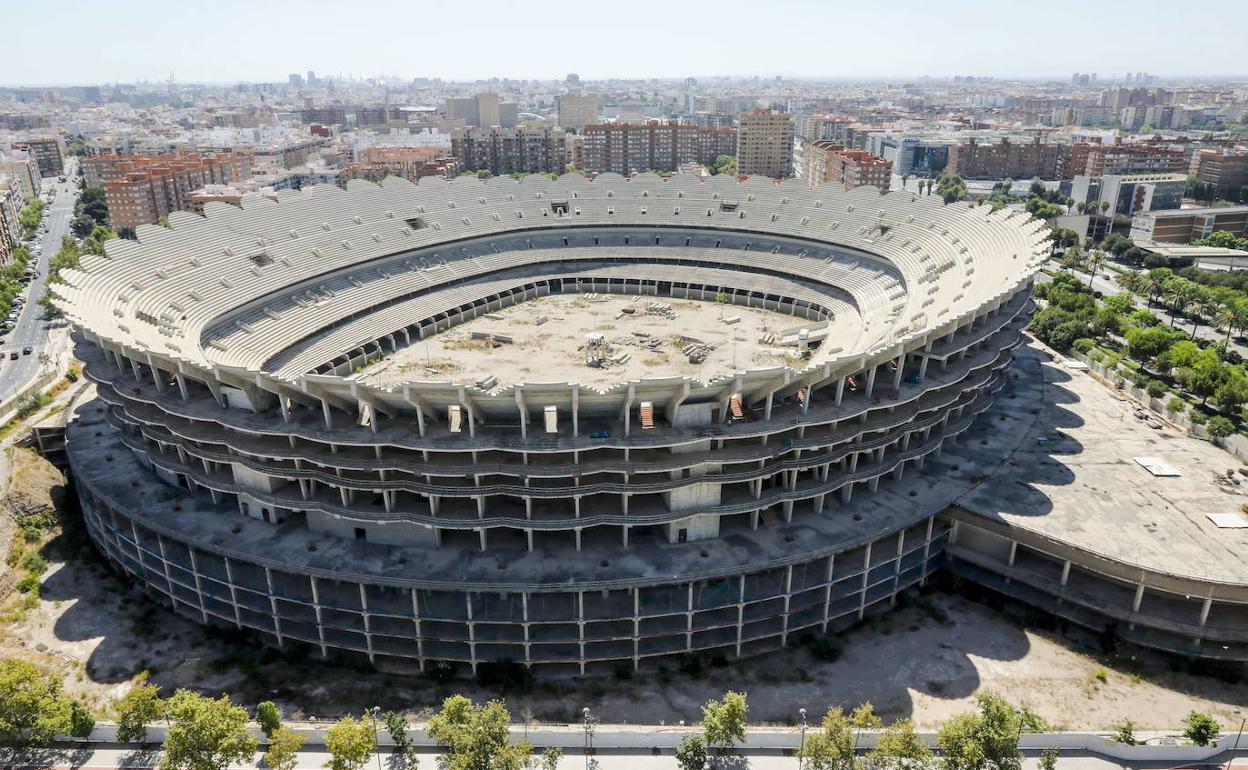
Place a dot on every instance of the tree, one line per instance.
(1232, 392)
(900, 746)
(81, 225)
(691, 753)
(205, 734)
(1219, 427)
(949, 187)
(396, 725)
(134, 710)
(350, 743)
(92, 204)
(32, 710)
(474, 736)
(551, 757)
(723, 721)
(1124, 733)
(81, 721)
(724, 164)
(283, 751)
(1201, 728)
(978, 741)
(268, 717)
(1048, 758)
(834, 747)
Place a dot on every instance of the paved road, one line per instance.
(31, 328)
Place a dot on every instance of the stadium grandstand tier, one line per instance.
(572, 424)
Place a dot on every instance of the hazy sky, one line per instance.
(95, 41)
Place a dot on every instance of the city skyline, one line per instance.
(911, 41)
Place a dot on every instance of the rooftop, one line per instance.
(1073, 478)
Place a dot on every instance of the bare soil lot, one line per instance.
(636, 341)
(924, 660)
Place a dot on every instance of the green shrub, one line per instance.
(31, 403)
(1156, 388)
(268, 717)
(1220, 427)
(1175, 405)
(1124, 733)
(1083, 345)
(1200, 728)
(29, 585)
(1096, 356)
(34, 563)
(1196, 416)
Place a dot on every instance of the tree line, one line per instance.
(1163, 358)
(206, 733)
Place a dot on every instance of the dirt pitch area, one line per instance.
(925, 660)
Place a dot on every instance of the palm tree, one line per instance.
(1097, 256)
(1173, 295)
(1202, 304)
(1136, 283)
(1104, 206)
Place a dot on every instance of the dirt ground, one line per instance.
(924, 660)
(554, 351)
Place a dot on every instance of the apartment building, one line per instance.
(1121, 158)
(48, 152)
(1187, 225)
(326, 116)
(1221, 168)
(483, 111)
(510, 150)
(1128, 194)
(11, 202)
(22, 166)
(577, 110)
(815, 127)
(631, 148)
(1005, 159)
(140, 190)
(411, 163)
(827, 161)
(765, 143)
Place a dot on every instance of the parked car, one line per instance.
(13, 356)
(27, 350)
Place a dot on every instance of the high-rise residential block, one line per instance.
(140, 190)
(827, 161)
(483, 110)
(631, 148)
(510, 150)
(1005, 159)
(765, 143)
(577, 110)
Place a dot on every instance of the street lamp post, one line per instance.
(801, 749)
(585, 718)
(1239, 713)
(374, 712)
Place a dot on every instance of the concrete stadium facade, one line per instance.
(234, 461)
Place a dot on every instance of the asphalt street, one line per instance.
(31, 328)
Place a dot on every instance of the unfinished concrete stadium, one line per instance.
(574, 424)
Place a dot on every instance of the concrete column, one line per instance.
(840, 390)
(1065, 572)
(871, 381)
(866, 574)
(827, 592)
